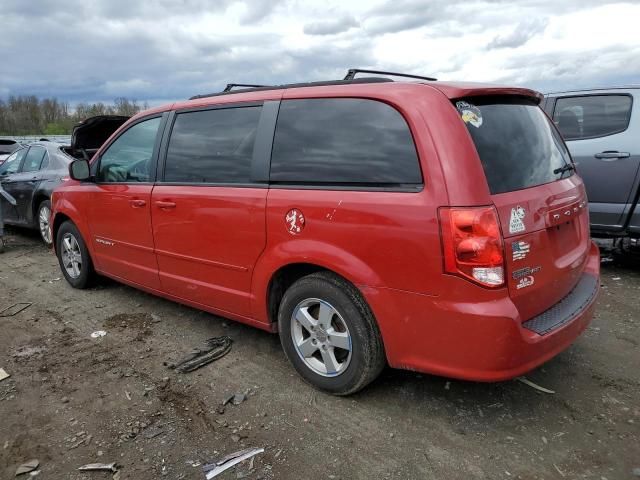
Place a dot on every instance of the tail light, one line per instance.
(472, 244)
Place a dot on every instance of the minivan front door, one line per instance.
(601, 133)
(119, 214)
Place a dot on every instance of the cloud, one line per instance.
(166, 50)
(521, 34)
(331, 27)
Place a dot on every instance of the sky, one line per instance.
(164, 50)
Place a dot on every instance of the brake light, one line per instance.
(472, 244)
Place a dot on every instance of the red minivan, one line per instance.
(431, 226)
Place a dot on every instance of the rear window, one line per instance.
(33, 160)
(343, 141)
(592, 116)
(517, 144)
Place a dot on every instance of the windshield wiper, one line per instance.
(564, 168)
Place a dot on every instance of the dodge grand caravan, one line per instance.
(438, 227)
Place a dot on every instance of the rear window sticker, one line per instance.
(520, 250)
(470, 113)
(516, 224)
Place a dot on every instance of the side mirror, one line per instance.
(79, 170)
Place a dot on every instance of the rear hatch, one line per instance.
(541, 202)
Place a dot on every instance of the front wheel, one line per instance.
(329, 334)
(44, 216)
(73, 256)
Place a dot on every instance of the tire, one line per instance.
(78, 267)
(42, 222)
(342, 319)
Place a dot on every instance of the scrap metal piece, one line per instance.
(214, 469)
(526, 381)
(215, 349)
(27, 467)
(105, 467)
(15, 309)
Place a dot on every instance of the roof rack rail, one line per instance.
(297, 85)
(231, 86)
(351, 74)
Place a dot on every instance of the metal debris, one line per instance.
(152, 432)
(3, 374)
(105, 467)
(214, 349)
(214, 469)
(27, 467)
(15, 309)
(98, 334)
(526, 381)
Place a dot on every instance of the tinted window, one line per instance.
(592, 116)
(129, 158)
(33, 160)
(12, 163)
(212, 146)
(343, 141)
(517, 144)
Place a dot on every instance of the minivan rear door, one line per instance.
(540, 201)
(602, 135)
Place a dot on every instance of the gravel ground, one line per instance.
(72, 399)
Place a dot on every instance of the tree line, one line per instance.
(29, 115)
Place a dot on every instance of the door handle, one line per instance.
(611, 155)
(137, 203)
(165, 204)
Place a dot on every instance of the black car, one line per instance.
(32, 173)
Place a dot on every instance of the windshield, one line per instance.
(516, 142)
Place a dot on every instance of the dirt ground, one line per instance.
(72, 399)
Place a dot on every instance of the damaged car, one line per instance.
(31, 173)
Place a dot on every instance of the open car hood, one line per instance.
(91, 133)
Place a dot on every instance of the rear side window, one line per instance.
(517, 144)
(344, 141)
(592, 116)
(212, 146)
(33, 160)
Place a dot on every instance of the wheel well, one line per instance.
(58, 220)
(282, 280)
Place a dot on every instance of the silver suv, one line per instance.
(602, 130)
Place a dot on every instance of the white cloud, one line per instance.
(165, 50)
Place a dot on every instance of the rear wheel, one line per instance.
(329, 334)
(43, 217)
(73, 256)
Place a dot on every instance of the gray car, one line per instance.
(602, 130)
(30, 175)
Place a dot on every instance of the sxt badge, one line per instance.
(294, 221)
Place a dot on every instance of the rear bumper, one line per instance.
(484, 340)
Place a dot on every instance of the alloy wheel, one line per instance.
(321, 337)
(44, 225)
(71, 256)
